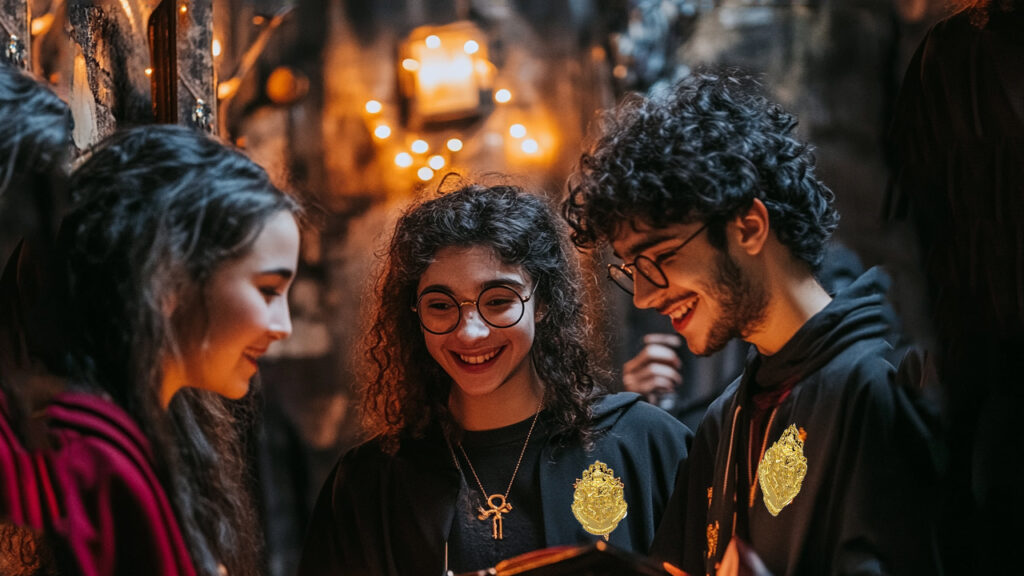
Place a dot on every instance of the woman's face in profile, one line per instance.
(245, 310)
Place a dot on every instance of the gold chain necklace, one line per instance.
(498, 503)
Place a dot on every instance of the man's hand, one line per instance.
(656, 370)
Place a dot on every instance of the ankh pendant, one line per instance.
(494, 513)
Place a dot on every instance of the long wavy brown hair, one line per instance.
(405, 389)
(157, 210)
(35, 146)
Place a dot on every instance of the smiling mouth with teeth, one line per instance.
(479, 359)
(681, 311)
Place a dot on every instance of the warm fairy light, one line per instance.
(433, 41)
(184, 8)
(436, 162)
(419, 146)
(454, 144)
(517, 130)
(530, 146)
(227, 88)
(148, 71)
(216, 48)
(471, 47)
(373, 106)
(483, 69)
(382, 131)
(41, 24)
(502, 96)
(403, 159)
(425, 173)
(286, 85)
(411, 64)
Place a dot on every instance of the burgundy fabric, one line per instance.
(17, 471)
(93, 491)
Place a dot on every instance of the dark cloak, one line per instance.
(863, 506)
(381, 514)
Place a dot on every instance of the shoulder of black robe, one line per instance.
(381, 514)
(863, 505)
(643, 445)
(691, 489)
(384, 514)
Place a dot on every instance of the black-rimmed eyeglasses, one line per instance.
(622, 274)
(499, 306)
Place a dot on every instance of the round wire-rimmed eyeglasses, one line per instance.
(622, 275)
(499, 306)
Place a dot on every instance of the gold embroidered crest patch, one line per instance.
(599, 502)
(782, 470)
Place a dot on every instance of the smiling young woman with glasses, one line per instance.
(484, 400)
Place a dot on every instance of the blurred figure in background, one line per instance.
(958, 140)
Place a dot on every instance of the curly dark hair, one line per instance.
(700, 152)
(406, 389)
(156, 210)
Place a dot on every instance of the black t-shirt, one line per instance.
(493, 454)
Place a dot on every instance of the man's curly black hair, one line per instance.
(700, 152)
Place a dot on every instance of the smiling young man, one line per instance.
(813, 457)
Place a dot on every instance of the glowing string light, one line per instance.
(403, 160)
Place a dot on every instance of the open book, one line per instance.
(598, 559)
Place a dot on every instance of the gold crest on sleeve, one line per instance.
(782, 470)
(599, 502)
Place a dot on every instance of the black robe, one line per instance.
(381, 514)
(862, 507)
(958, 142)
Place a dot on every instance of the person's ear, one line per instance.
(752, 227)
(540, 312)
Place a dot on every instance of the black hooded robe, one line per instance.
(863, 505)
(381, 514)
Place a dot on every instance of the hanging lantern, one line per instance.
(444, 72)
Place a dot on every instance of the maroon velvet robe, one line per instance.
(93, 492)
